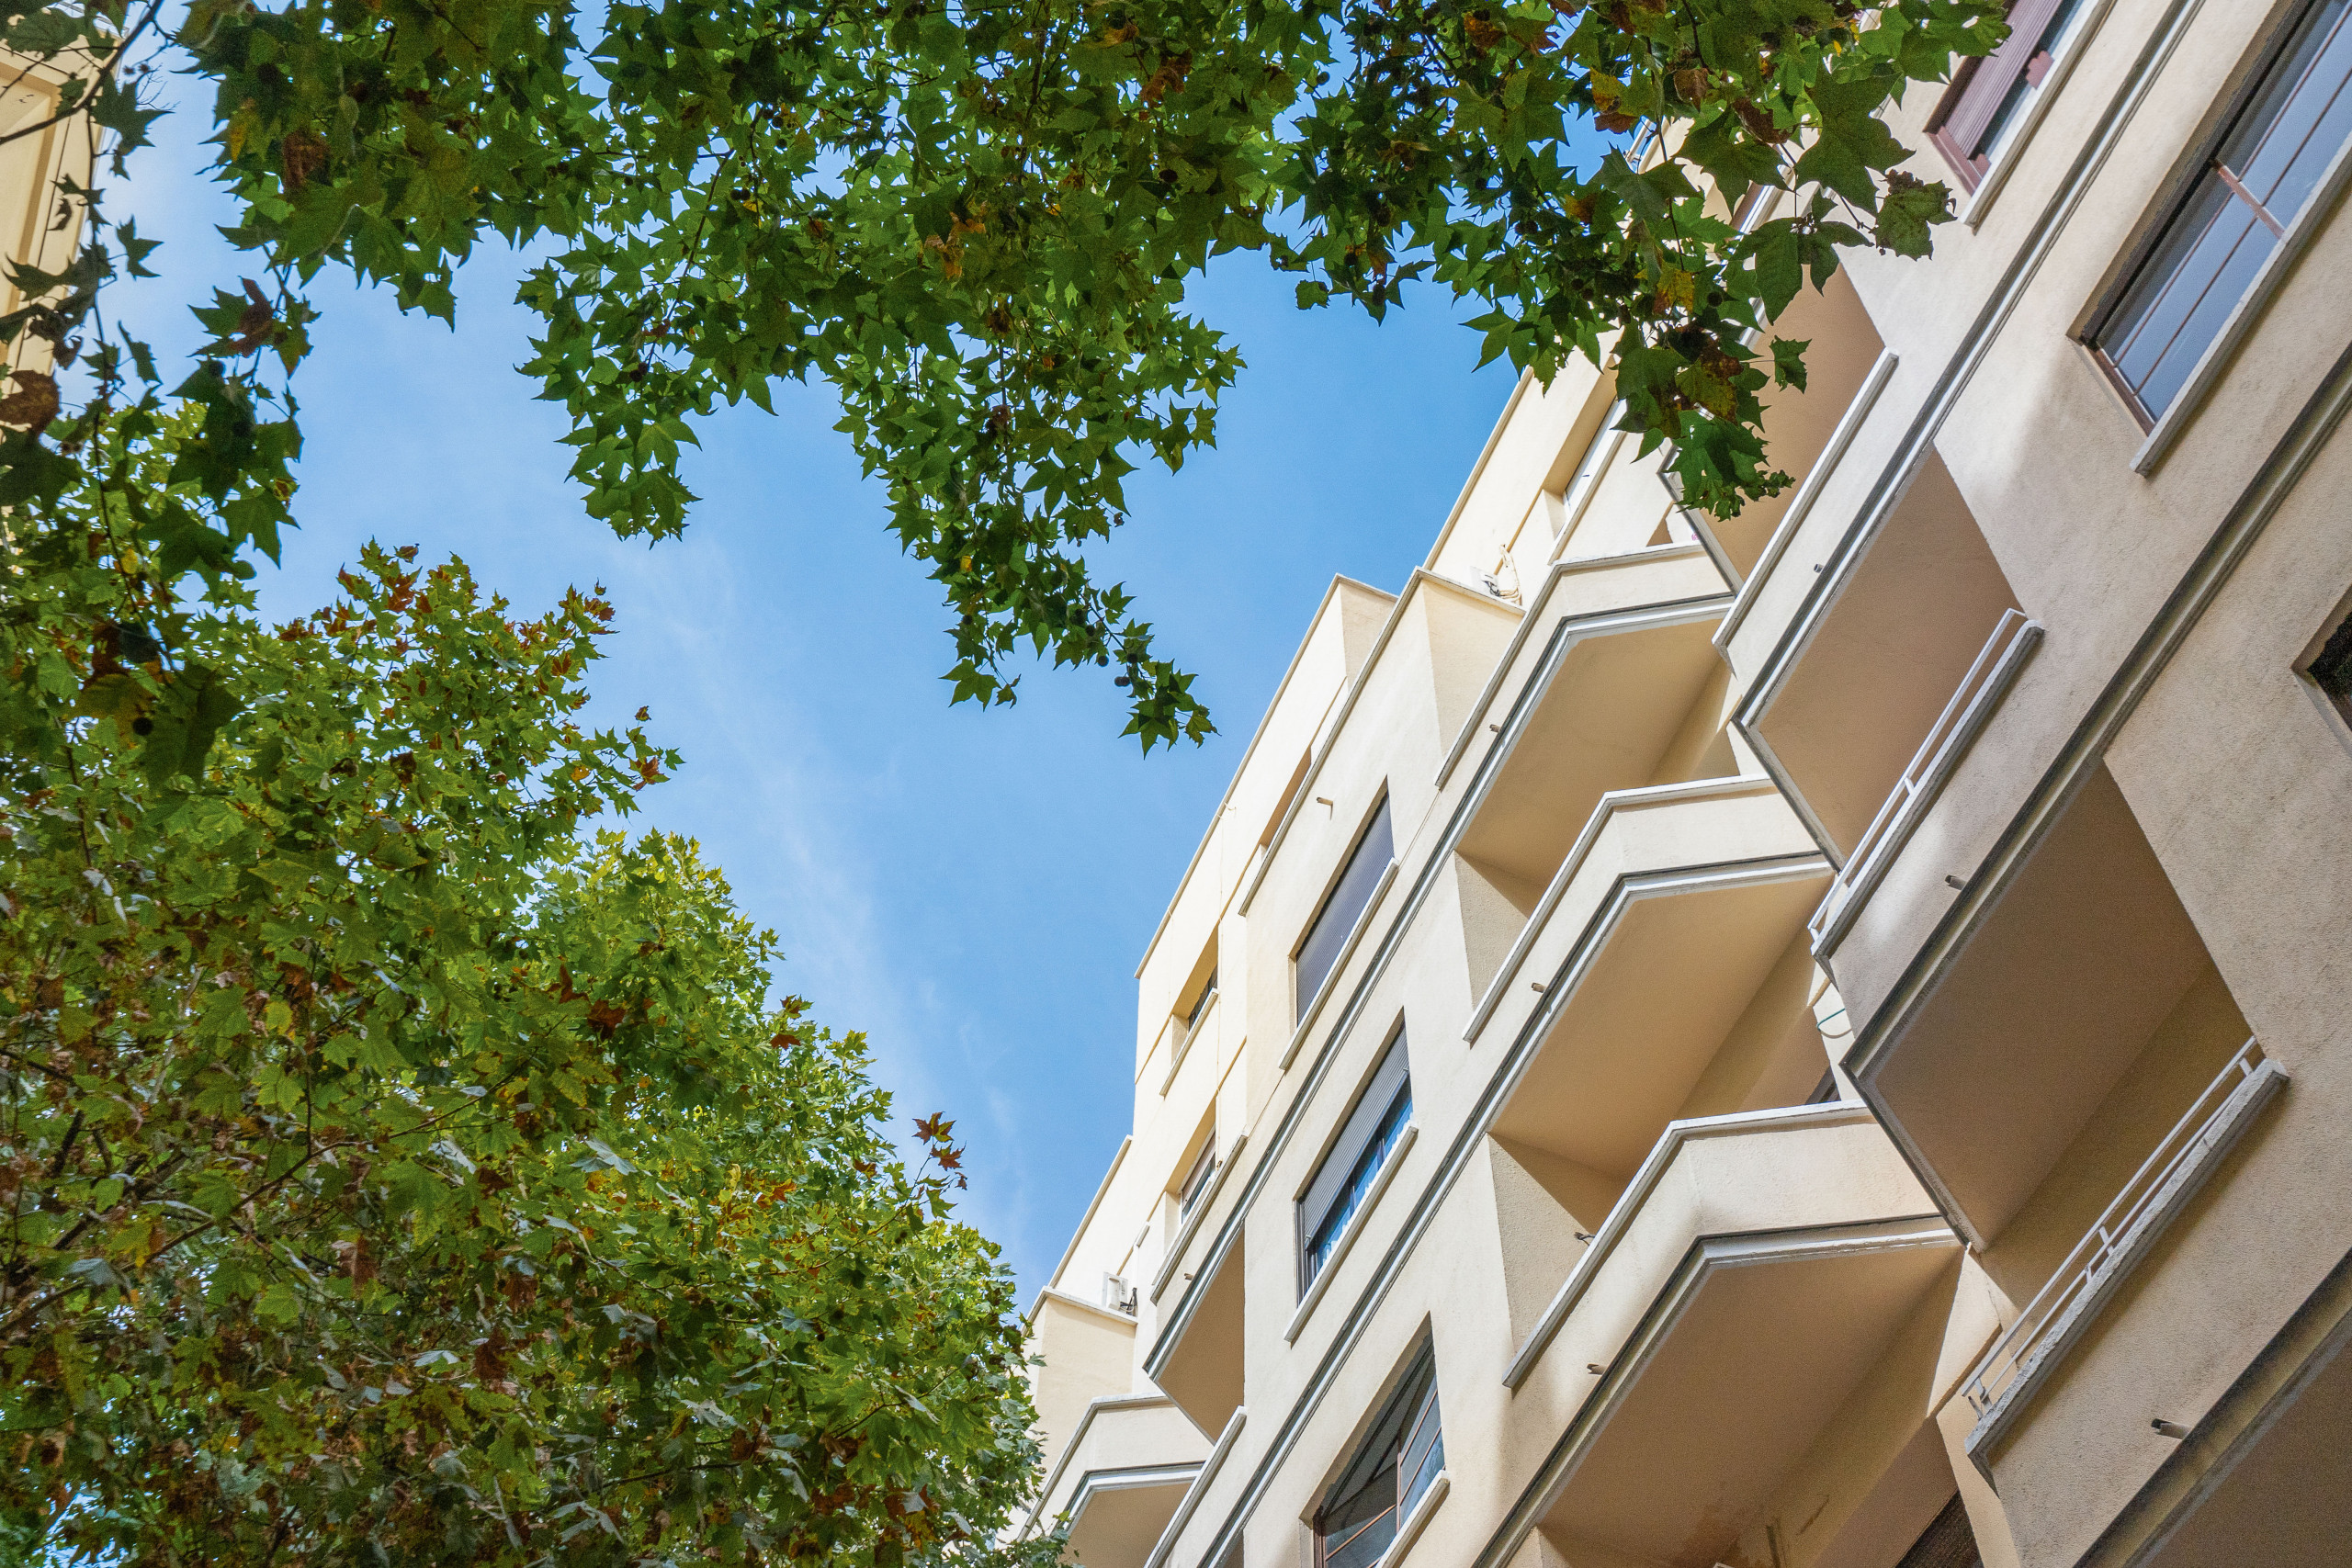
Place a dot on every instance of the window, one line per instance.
(1986, 107)
(1333, 923)
(1947, 1543)
(1201, 1003)
(1574, 494)
(1374, 1496)
(2264, 169)
(1197, 1179)
(2333, 669)
(1346, 1175)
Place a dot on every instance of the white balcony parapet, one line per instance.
(1189, 1225)
(1611, 806)
(1955, 730)
(1816, 479)
(1111, 1406)
(1202, 1480)
(1622, 1212)
(2018, 1363)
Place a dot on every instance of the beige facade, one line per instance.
(40, 157)
(1812, 1039)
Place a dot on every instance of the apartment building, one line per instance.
(1814, 1039)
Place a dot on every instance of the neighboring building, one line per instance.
(1817, 1040)
(39, 224)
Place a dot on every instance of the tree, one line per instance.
(394, 1173)
(976, 220)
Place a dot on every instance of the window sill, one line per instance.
(1417, 1522)
(1339, 967)
(1348, 1238)
(2248, 310)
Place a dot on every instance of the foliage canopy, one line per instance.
(976, 220)
(394, 1173)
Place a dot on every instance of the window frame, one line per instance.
(1411, 1403)
(1303, 1001)
(1198, 1178)
(1201, 1002)
(1365, 1127)
(2333, 644)
(2177, 195)
(1994, 76)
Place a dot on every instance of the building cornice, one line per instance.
(1339, 721)
(1085, 1219)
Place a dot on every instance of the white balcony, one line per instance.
(1727, 854)
(1840, 702)
(2081, 1018)
(1752, 1276)
(1121, 1479)
(1574, 614)
(2018, 1363)
(1964, 718)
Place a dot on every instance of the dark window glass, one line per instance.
(2333, 669)
(1947, 1543)
(1201, 1002)
(1333, 922)
(1376, 1493)
(2264, 168)
(1196, 1180)
(1988, 99)
(2039, 51)
(1347, 1173)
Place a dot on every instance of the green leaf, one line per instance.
(1788, 362)
(1848, 139)
(1911, 207)
(188, 714)
(1736, 160)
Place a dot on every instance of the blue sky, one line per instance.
(972, 889)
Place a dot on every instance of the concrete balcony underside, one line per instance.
(1970, 709)
(1578, 602)
(2066, 1310)
(1121, 1479)
(1754, 1272)
(1723, 861)
(2039, 1017)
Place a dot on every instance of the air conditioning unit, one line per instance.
(1118, 1296)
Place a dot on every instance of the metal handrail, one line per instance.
(2161, 1181)
(1979, 692)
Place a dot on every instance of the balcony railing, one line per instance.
(2155, 1196)
(1955, 730)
